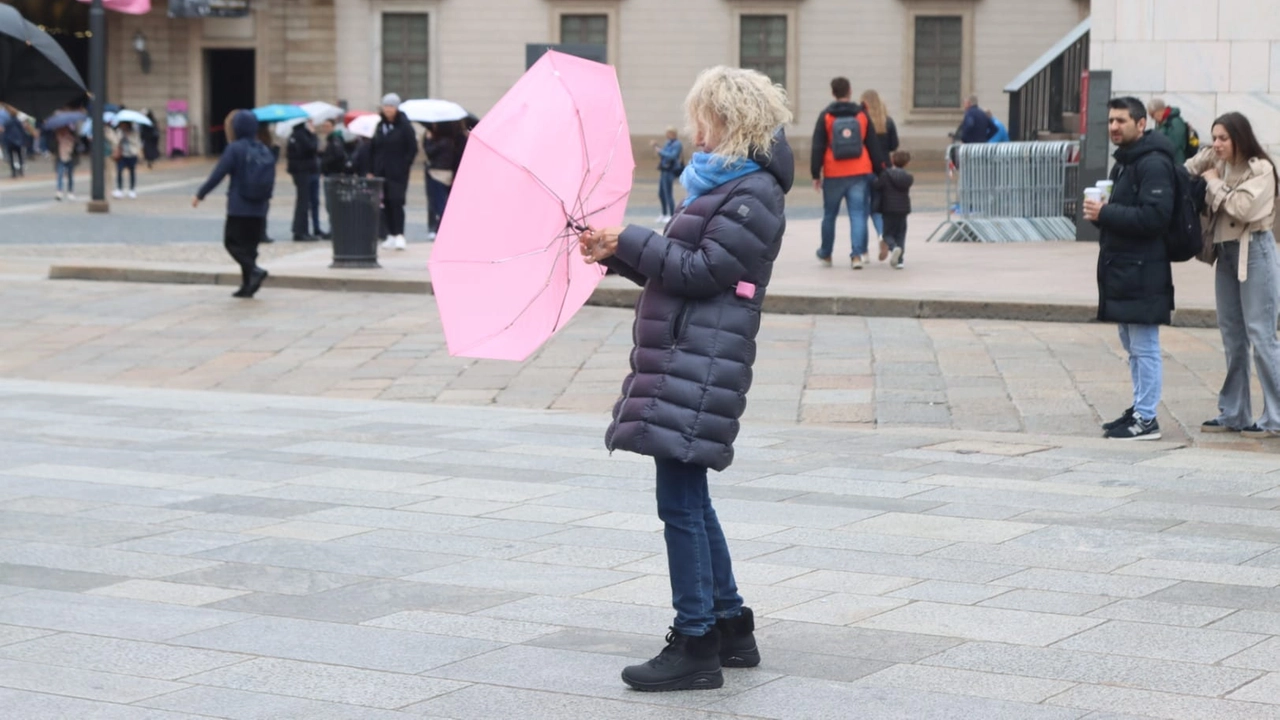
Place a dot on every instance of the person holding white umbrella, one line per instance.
(126, 146)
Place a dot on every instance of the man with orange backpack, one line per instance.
(845, 159)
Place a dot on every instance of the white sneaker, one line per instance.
(400, 242)
(431, 237)
(71, 196)
(58, 196)
(389, 243)
(117, 194)
(661, 219)
(133, 195)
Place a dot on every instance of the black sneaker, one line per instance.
(687, 663)
(1216, 426)
(1254, 432)
(1136, 429)
(1124, 419)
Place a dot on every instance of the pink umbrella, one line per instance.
(552, 157)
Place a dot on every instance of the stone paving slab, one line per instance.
(514, 600)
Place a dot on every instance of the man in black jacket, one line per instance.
(303, 154)
(1135, 279)
(395, 145)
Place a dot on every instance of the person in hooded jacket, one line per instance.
(395, 146)
(443, 144)
(303, 153)
(704, 280)
(845, 179)
(1135, 279)
(251, 166)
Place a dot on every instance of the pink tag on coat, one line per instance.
(746, 290)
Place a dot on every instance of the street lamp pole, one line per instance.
(98, 89)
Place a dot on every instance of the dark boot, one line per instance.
(255, 281)
(686, 663)
(737, 643)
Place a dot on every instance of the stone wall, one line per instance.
(1206, 57)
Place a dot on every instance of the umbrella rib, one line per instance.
(545, 286)
(531, 175)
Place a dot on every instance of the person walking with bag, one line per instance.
(64, 161)
(394, 148)
(252, 168)
(696, 321)
(844, 160)
(670, 165)
(1135, 278)
(1240, 197)
(125, 148)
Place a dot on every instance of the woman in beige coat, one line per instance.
(1240, 199)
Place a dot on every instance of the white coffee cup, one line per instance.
(1093, 193)
(1106, 186)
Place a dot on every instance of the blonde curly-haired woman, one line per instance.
(695, 329)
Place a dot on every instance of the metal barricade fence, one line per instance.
(1011, 192)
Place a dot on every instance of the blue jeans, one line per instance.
(702, 584)
(131, 165)
(306, 203)
(666, 196)
(437, 199)
(67, 170)
(855, 191)
(1146, 367)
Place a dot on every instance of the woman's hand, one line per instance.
(1211, 174)
(597, 245)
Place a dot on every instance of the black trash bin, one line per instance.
(355, 211)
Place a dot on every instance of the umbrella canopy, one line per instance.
(430, 110)
(365, 125)
(552, 157)
(130, 7)
(36, 76)
(64, 119)
(353, 114)
(130, 116)
(278, 113)
(317, 111)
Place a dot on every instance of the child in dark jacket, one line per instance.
(894, 186)
(252, 169)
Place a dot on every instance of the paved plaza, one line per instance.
(301, 508)
(171, 554)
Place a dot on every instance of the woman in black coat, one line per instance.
(704, 281)
(395, 145)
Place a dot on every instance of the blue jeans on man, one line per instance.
(1146, 367)
(702, 584)
(666, 193)
(855, 192)
(306, 203)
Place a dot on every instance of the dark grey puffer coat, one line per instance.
(694, 336)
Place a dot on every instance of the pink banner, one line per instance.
(131, 7)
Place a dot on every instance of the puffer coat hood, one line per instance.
(697, 318)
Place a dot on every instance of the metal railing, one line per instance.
(1049, 88)
(1011, 192)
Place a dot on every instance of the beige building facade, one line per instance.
(1206, 57)
(923, 56)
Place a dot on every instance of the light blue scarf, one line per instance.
(707, 171)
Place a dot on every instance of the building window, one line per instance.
(584, 30)
(404, 54)
(763, 45)
(939, 55)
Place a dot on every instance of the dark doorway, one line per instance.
(229, 76)
(66, 21)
